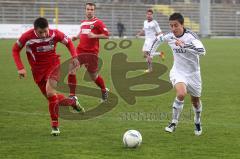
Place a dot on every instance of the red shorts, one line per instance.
(90, 61)
(42, 86)
(47, 71)
(42, 82)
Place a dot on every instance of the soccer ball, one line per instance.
(132, 139)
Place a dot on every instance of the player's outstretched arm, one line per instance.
(17, 59)
(157, 42)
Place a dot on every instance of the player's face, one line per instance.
(176, 27)
(90, 10)
(42, 33)
(149, 16)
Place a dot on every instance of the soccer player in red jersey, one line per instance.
(91, 30)
(40, 45)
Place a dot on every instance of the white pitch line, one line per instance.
(24, 113)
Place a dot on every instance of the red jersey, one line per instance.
(86, 44)
(41, 52)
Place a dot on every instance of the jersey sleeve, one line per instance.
(195, 47)
(61, 37)
(102, 28)
(157, 27)
(16, 49)
(21, 42)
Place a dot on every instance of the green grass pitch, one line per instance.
(25, 126)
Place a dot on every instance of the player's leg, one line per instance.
(146, 54)
(62, 100)
(91, 65)
(149, 62)
(195, 89)
(101, 84)
(181, 92)
(197, 109)
(55, 100)
(72, 79)
(52, 106)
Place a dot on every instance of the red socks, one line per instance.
(72, 81)
(63, 101)
(53, 105)
(99, 81)
(53, 110)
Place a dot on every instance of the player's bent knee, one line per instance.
(50, 87)
(181, 95)
(93, 76)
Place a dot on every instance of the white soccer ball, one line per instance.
(132, 139)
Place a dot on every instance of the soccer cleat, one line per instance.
(148, 71)
(105, 95)
(171, 127)
(77, 107)
(162, 55)
(55, 131)
(198, 129)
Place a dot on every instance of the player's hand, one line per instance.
(179, 43)
(75, 62)
(22, 73)
(92, 35)
(74, 38)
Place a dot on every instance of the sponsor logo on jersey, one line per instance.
(85, 31)
(45, 48)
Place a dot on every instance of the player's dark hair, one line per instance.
(178, 17)
(91, 4)
(41, 23)
(150, 10)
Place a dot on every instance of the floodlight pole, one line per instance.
(205, 6)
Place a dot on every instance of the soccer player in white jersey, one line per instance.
(150, 29)
(185, 73)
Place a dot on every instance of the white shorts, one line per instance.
(147, 44)
(193, 82)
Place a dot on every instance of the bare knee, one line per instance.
(50, 88)
(181, 91)
(181, 95)
(93, 76)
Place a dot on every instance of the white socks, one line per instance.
(177, 109)
(149, 63)
(155, 54)
(197, 113)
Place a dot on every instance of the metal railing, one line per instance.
(225, 19)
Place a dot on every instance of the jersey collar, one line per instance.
(184, 30)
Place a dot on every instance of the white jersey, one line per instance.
(186, 67)
(186, 58)
(151, 29)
